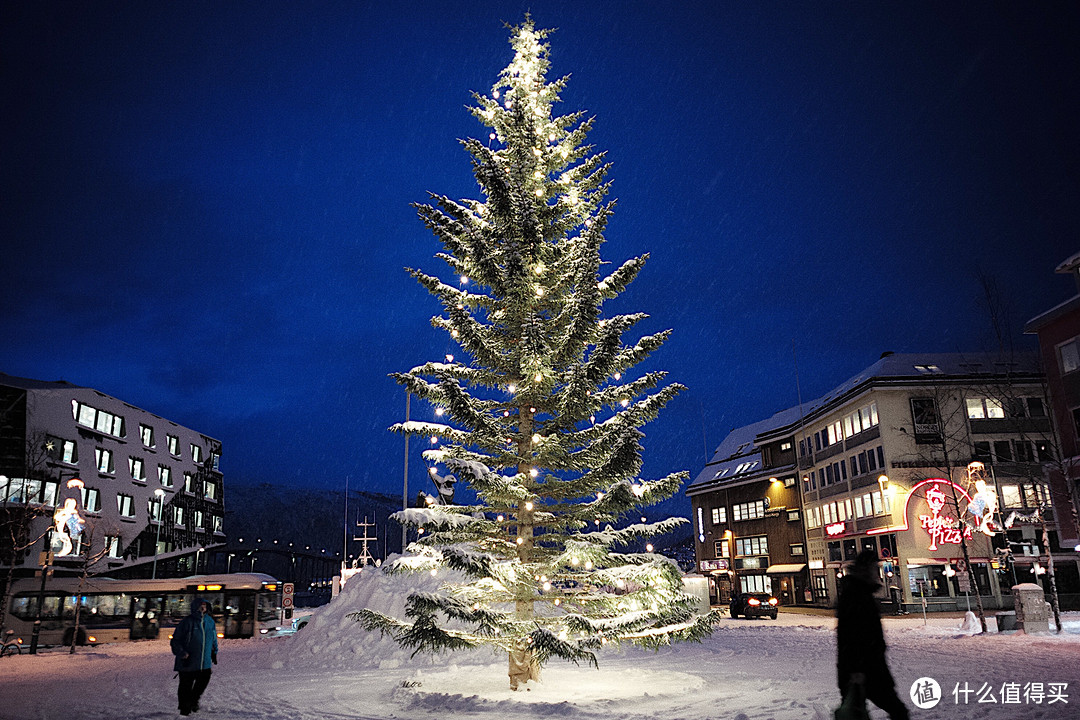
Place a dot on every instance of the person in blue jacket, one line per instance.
(194, 643)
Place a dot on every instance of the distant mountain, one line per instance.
(259, 515)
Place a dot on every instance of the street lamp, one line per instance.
(157, 540)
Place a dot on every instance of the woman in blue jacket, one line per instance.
(194, 643)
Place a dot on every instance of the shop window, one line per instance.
(928, 581)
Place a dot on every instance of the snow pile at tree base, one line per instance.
(334, 641)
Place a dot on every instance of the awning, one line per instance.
(785, 569)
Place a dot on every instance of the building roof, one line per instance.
(738, 457)
(29, 384)
(1037, 323)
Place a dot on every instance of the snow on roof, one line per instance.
(739, 454)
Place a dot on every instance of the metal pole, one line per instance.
(405, 487)
(157, 540)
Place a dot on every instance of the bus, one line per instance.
(242, 604)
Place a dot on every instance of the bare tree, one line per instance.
(88, 559)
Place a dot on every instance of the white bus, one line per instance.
(243, 604)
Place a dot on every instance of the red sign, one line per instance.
(835, 529)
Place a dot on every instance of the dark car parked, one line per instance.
(754, 605)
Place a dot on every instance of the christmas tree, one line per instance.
(542, 412)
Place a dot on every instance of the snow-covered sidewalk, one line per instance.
(748, 670)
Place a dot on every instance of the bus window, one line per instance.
(269, 609)
(146, 617)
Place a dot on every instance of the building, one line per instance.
(85, 475)
(747, 516)
(918, 458)
(1058, 330)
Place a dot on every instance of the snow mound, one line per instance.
(334, 641)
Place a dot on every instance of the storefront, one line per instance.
(921, 548)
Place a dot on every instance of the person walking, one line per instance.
(194, 643)
(860, 641)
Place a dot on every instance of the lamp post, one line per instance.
(157, 539)
(730, 537)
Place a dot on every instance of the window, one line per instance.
(113, 544)
(146, 433)
(178, 515)
(164, 473)
(1069, 354)
(836, 434)
(50, 491)
(794, 515)
(1003, 450)
(100, 420)
(189, 482)
(862, 419)
(197, 516)
(137, 468)
(756, 583)
(104, 461)
(1035, 407)
(789, 482)
(91, 500)
(196, 452)
(813, 519)
(719, 514)
(928, 369)
(979, 408)
(153, 508)
(785, 446)
(125, 504)
(798, 549)
(748, 511)
(1010, 496)
(60, 450)
(174, 445)
(215, 521)
(758, 545)
(210, 491)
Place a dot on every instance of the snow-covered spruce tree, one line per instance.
(543, 416)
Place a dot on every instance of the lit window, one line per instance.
(196, 452)
(719, 515)
(197, 517)
(91, 499)
(178, 515)
(60, 450)
(174, 445)
(147, 434)
(125, 504)
(100, 420)
(137, 468)
(115, 551)
(798, 550)
(104, 460)
(164, 473)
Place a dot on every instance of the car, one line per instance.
(754, 605)
(298, 623)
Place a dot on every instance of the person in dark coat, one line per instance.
(194, 643)
(860, 641)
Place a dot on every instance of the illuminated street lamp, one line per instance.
(157, 540)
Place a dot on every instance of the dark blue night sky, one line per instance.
(205, 206)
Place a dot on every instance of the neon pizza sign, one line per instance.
(942, 527)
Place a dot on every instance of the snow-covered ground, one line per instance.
(748, 670)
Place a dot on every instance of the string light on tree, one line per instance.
(537, 327)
